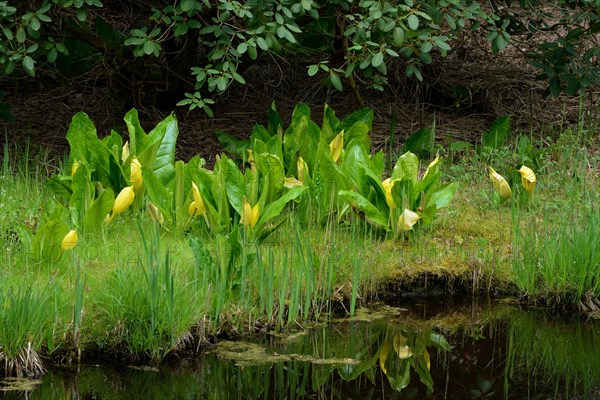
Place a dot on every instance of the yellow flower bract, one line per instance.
(69, 241)
(407, 220)
(122, 202)
(500, 184)
(388, 184)
(336, 146)
(198, 202)
(136, 174)
(528, 178)
(249, 214)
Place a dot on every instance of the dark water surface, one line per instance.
(439, 350)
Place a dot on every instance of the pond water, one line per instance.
(437, 350)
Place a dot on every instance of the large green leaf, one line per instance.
(47, 240)
(271, 170)
(160, 196)
(329, 127)
(372, 213)
(373, 182)
(232, 145)
(275, 126)
(442, 197)
(179, 194)
(88, 149)
(364, 115)
(112, 142)
(93, 220)
(82, 196)
(497, 134)
(354, 160)
(163, 166)
(420, 142)
(138, 139)
(301, 138)
(276, 207)
(359, 133)
(234, 184)
(407, 167)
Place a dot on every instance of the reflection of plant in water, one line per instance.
(402, 350)
(484, 389)
(568, 355)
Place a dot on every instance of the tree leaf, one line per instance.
(336, 81)
(413, 22)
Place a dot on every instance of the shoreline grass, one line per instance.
(146, 293)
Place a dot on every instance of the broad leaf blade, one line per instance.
(93, 220)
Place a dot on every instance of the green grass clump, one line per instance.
(27, 324)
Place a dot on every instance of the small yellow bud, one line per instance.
(155, 213)
(125, 152)
(74, 167)
(336, 146)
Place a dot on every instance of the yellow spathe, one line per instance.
(407, 220)
(528, 178)
(249, 214)
(198, 201)
(69, 241)
(388, 184)
(122, 202)
(336, 146)
(136, 174)
(500, 184)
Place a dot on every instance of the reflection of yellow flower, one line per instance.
(528, 178)
(384, 351)
(69, 241)
(500, 184)
(302, 169)
(401, 347)
(136, 174)
(125, 152)
(249, 214)
(336, 146)
(122, 202)
(74, 167)
(388, 184)
(198, 202)
(407, 220)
